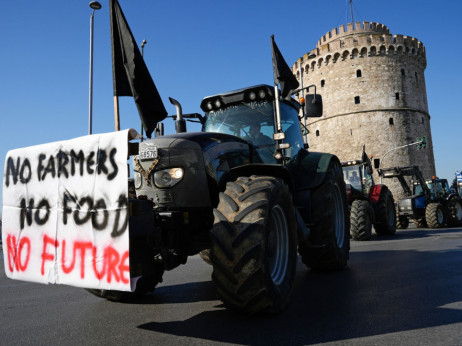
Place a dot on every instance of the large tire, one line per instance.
(435, 216)
(420, 223)
(144, 285)
(254, 245)
(329, 245)
(361, 220)
(386, 214)
(402, 222)
(455, 212)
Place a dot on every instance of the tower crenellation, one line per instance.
(374, 93)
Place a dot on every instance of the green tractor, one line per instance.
(244, 187)
(430, 202)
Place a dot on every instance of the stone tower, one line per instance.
(373, 89)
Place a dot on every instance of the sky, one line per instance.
(195, 49)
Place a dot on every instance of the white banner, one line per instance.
(65, 212)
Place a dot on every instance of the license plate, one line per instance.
(148, 153)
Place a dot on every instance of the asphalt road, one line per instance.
(403, 290)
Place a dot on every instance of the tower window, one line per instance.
(402, 72)
(358, 73)
(357, 100)
(397, 96)
(422, 120)
(390, 121)
(323, 82)
(416, 79)
(317, 133)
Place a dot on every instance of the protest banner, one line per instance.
(65, 212)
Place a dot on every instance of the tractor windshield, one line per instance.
(352, 176)
(254, 122)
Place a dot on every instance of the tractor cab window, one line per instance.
(352, 176)
(254, 122)
(442, 188)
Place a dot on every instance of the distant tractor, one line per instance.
(370, 203)
(430, 203)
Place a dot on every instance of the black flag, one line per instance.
(282, 73)
(129, 72)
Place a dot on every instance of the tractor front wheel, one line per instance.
(435, 216)
(254, 245)
(361, 220)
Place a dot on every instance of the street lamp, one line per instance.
(95, 5)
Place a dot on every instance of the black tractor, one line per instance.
(430, 202)
(246, 188)
(370, 203)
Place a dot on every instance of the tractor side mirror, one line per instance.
(313, 106)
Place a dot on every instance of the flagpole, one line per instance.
(116, 113)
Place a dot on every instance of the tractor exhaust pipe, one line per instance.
(180, 123)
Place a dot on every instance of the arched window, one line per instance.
(390, 121)
(323, 82)
(358, 73)
(373, 51)
(397, 96)
(357, 100)
(363, 52)
(317, 133)
(354, 53)
(403, 72)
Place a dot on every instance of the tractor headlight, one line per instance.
(168, 177)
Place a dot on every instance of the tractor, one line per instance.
(370, 203)
(245, 187)
(430, 202)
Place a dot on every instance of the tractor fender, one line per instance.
(277, 171)
(374, 194)
(310, 169)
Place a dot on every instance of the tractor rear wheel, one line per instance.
(329, 245)
(386, 214)
(435, 216)
(455, 212)
(254, 245)
(361, 220)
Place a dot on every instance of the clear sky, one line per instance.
(195, 49)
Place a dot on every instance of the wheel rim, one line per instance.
(278, 245)
(339, 217)
(440, 216)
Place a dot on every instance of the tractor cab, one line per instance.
(439, 189)
(358, 174)
(249, 114)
